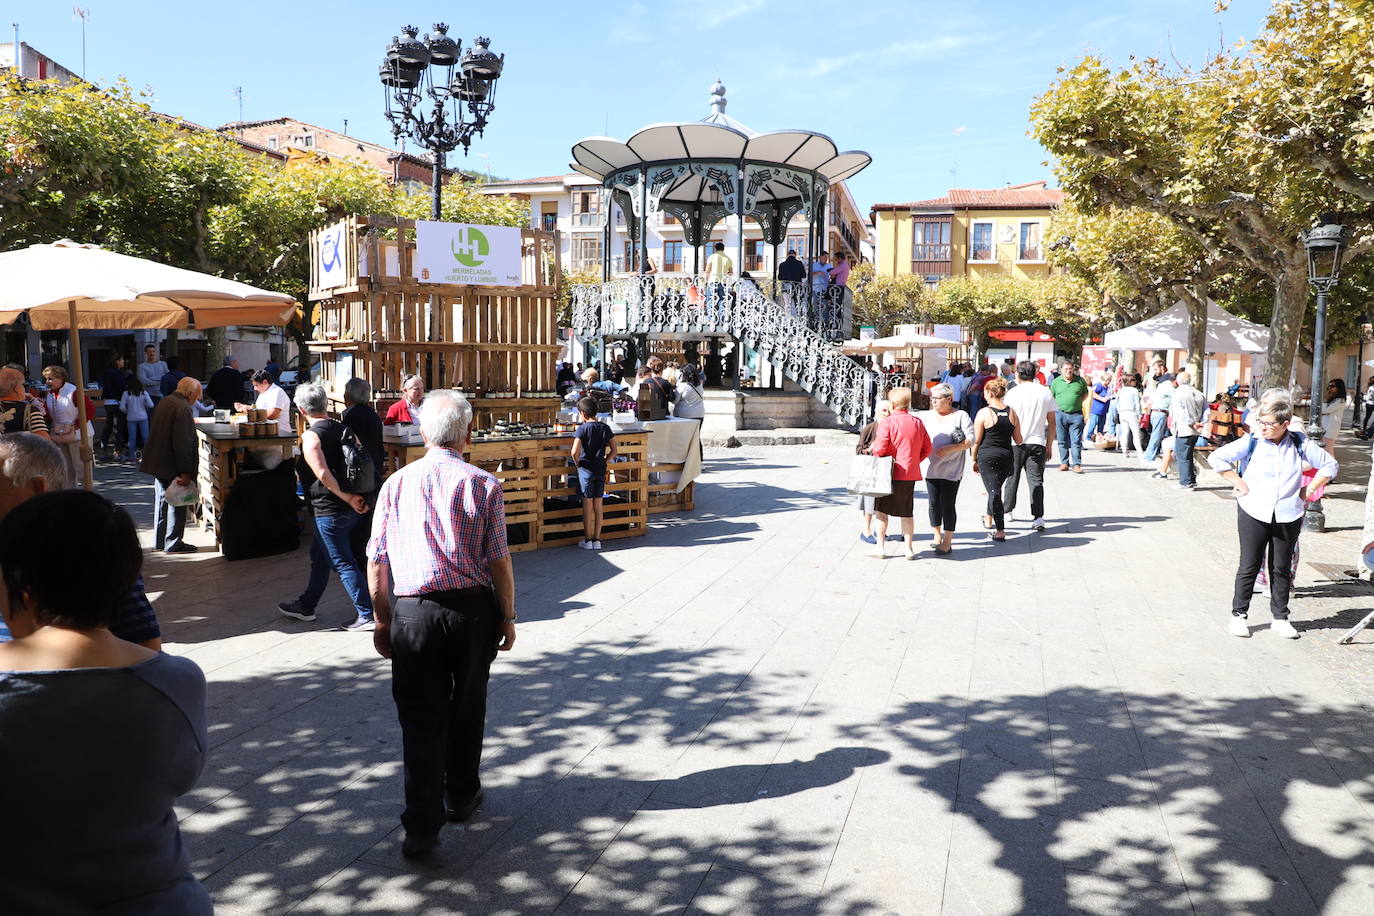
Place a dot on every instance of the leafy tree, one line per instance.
(1169, 142)
(886, 301)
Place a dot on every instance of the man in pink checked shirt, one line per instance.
(439, 542)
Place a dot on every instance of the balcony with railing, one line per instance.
(587, 220)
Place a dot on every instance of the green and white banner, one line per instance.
(467, 254)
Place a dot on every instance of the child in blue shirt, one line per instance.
(593, 446)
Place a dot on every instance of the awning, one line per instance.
(1226, 333)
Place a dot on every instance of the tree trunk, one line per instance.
(217, 347)
(1290, 307)
(1196, 297)
(169, 346)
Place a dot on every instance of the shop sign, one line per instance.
(1094, 359)
(868, 333)
(466, 254)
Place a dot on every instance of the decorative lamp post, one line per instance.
(1325, 246)
(1359, 422)
(461, 85)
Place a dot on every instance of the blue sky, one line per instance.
(936, 92)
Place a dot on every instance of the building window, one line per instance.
(308, 141)
(1030, 248)
(980, 242)
(631, 262)
(930, 240)
(586, 208)
(550, 221)
(753, 255)
(272, 142)
(586, 252)
(797, 243)
(672, 256)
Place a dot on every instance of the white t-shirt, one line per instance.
(1032, 402)
(273, 398)
(941, 431)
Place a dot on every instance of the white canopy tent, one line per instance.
(1226, 333)
(887, 344)
(71, 286)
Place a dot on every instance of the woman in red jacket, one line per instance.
(904, 438)
(407, 409)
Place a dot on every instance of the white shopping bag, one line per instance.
(870, 475)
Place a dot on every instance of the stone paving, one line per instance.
(741, 713)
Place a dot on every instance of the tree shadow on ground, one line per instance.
(1096, 801)
(590, 804)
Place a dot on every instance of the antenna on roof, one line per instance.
(84, 16)
(345, 126)
(238, 91)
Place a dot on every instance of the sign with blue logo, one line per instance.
(331, 257)
(466, 254)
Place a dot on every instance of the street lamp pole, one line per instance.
(1325, 245)
(1360, 422)
(462, 90)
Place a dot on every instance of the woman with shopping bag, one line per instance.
(905, 439)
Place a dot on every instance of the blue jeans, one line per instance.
(1183, 459)
(138, 435)
(1096, 424)
(332, 549)
(1157, 431)
(1068, 432)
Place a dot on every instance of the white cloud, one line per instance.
(960, 129)
(721, 16)
(895, 53)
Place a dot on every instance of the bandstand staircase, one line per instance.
(740, 309)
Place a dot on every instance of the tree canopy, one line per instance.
(99, 165)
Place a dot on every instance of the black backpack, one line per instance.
(359, 470)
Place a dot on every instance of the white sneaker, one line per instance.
(586, 545)
(596, 545)
(1038, 524)
(1239, 626)
(1283, 628)
(877, 553)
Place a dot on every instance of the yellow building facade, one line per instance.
(998, 232)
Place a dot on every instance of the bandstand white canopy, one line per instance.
(1226, 333)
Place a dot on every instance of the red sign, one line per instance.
(1094, 359)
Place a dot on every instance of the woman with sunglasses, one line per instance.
(1266, 469)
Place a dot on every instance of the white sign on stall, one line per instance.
(466, 254)
(332, 272)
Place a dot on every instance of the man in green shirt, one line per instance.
(1069, 393)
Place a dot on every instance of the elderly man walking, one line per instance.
(1186, 409)
(439, 542)
(170, 454)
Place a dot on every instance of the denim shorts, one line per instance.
(591, 484)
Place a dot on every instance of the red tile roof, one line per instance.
(1019, 196)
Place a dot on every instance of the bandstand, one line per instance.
(700, 173)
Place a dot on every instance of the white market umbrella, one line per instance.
(913, 341)
(73, 286)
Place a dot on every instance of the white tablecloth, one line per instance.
(675, 441)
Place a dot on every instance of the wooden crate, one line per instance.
(661, 495)
(627, 479)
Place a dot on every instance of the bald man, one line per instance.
(18, 414)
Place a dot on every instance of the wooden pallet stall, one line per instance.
(627, 504)
(379, 322)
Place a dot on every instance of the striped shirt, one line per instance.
(439, 522)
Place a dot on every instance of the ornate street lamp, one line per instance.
(1325, 247)
(460, 84)
(1359, 422)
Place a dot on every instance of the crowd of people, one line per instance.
(1011, 428)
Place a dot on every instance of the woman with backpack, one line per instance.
(1267, 468)
(324, 476)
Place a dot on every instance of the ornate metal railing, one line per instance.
(778, 329)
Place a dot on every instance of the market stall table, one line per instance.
(222, 454)
(674, 463)
(541, 508)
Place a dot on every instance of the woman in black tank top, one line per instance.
(995, 429)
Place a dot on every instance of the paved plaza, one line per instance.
(741, 713)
